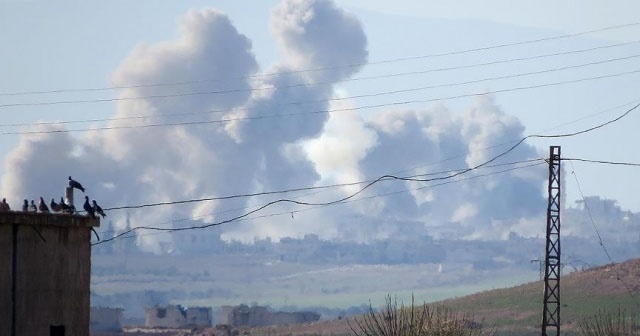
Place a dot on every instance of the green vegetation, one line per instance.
(425, 320)
(517, 311)
(605, 323)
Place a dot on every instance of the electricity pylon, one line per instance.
(551, 309)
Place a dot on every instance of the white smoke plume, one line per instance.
(258, 152)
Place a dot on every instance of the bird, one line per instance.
(63, 206)
(55, 207)
(25, 206)
(75, 184)
(33, 207)
(4, 206)
(42, 206)
(88, 208)
(98, 209)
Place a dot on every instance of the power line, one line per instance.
(531, 163)
(320, 112)
(600, 240)
(382, 178)
(309, 102)
(216, 92)
(544, 39)
(466, 66)
(635, 101)
(344, 200)
(603, 162)
(285, 191)
(591, 128)
(402, 59)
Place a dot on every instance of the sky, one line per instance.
(284, 95)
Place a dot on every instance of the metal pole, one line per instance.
(551, 309)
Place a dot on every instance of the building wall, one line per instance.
(175, 316)
(53, 269)
(199, 317)
(243, 315)
(106, 319)
(5, 279)
(279, 318)
(171, 316)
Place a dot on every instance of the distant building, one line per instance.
(256, 316)
(175, 316)
(106, 319)
(46, 269)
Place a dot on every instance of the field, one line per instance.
(518, 310)
(515, 310)
(240, 279)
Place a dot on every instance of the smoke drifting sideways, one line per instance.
(254, 152)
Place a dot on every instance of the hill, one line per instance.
(518, 310)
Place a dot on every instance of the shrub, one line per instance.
(423, 320)
(609, 324)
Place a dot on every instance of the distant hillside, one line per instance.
(518, 310)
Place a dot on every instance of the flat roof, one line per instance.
(43, 218)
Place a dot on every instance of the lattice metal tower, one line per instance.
(551, 309)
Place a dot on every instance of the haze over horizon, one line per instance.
(199, 114)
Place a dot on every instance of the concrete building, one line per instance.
(257, 316)
(106, 319)
(46, 270)
(175, 316)
(198, 316)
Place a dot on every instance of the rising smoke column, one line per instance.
(184, 162)
(259, 152)
(405, 142)
(147, 165)
(436, 139)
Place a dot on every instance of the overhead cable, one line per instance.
(320, 112)
(381, 178)
(401, 59)
(603, 162)
(311, 204)
(600, 240)
(268, 87)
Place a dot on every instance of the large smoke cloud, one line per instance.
(258, 152)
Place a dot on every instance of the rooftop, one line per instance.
(52, 219)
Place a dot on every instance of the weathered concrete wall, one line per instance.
(198, 317)
(5, 279)
(53, 269)
(279, 318)
(243, 315)
(171, 316)
(106, 319)
(175, 316)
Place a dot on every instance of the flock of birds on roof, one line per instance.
(91, 208)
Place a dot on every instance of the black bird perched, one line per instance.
(25, 206)
(33, 207)
(55, 207)
(63, 206)
(75, 184)
(88, 208)
(98, 209)
(4, 205)
(42, 206)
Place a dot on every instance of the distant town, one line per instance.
(172, 317)
(298, 274)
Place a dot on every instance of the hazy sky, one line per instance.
(396, 108)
